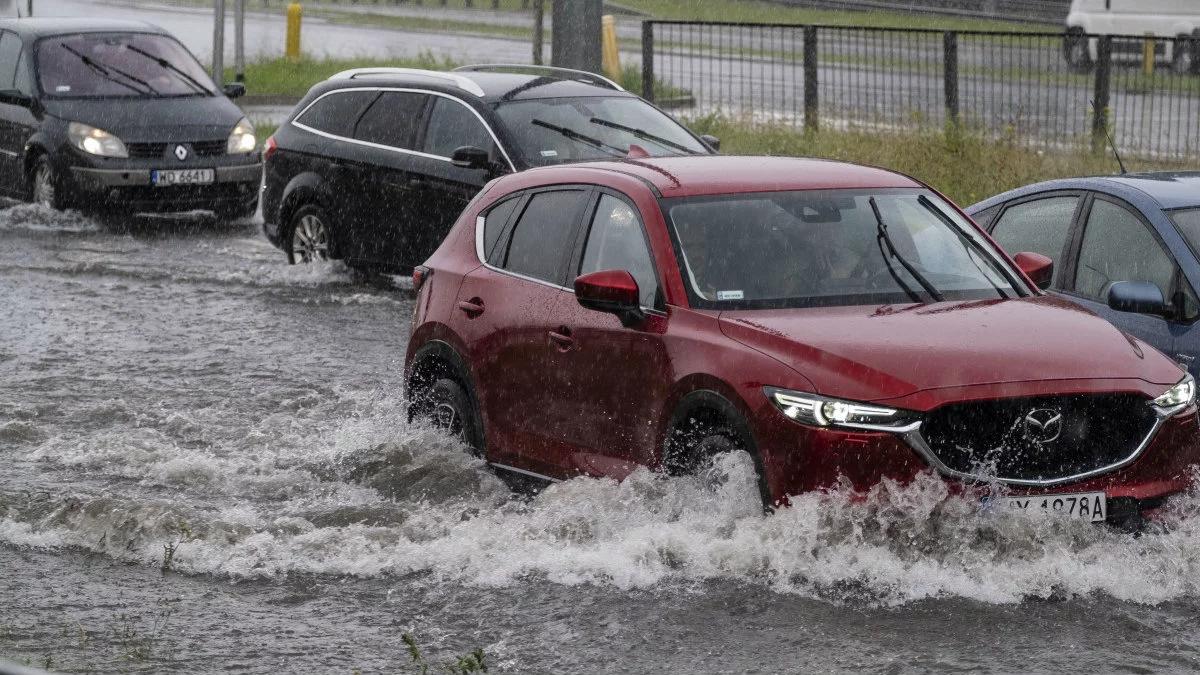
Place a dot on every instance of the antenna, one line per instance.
(1111, 145)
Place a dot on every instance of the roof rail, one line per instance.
(571, 74)
(458, 80)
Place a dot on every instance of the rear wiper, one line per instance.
(107, 72)
(883, 236)
(582, 138)
(643, 134)
(173, 68)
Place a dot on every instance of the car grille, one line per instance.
(1039, 438)
(157, 150)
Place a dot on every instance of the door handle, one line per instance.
(472, 308)
(561, 337)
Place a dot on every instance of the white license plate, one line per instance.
(182, 177)
(1090, 506)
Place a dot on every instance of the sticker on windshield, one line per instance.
(729, 295)
(549, 153)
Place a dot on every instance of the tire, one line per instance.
(1076, 51)
(45, 185)
(448, 406)
(1184, 62)
(701, 433)
(309, 236)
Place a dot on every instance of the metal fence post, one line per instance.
(218, 56)
(811, 122)
(539, 27)
(950, 49)
(648, 60)
(1101, 98)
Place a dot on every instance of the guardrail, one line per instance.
(1019, 86)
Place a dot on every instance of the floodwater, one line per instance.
(205, 466)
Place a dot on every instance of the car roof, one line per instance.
(39, 27)
(1167, 189)
(725, 174)
(489, 87)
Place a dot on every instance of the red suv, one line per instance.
(841, 324)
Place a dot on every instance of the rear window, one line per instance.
(124, 65)
(541, 238)
(335, 113)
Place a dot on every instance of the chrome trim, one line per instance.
(903, 429)
(532, 474)
(324, 134)
(491, 67)
(464, 83)
(917, 442)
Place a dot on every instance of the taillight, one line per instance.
(269, 148)
(421, 274)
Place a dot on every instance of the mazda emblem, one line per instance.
(181, 152)
(1043, 425)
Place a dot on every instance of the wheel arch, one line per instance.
(304, 188)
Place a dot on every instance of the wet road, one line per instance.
(175, 396)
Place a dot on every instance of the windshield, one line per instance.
(558, 130)
(829, 248)
(1187, 221)
(130, 65)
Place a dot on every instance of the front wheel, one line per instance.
(698, 438)
(44, 184)
(309, 236)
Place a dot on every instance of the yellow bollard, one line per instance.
(1148, 54)
(291, 47)
(610, 57)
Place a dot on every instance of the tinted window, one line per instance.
(543, 235)
(1187, 222)
(1118, 247)
(451, 126)
(493, 227)
(391, 120)
(984, 218)
(616, 242)
(123, 65)
(1039, 226)
(24, 81)
(10, 53)
(335, 113)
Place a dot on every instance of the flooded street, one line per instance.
(205, 466)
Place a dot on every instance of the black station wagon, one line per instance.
(98, 114)
(375, 165)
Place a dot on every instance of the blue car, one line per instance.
(1125, 247)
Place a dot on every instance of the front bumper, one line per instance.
(234, 188)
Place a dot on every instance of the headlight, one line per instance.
(824, 412)
(242, 139)
(1179, 396)
(95, 141)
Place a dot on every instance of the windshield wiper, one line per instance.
(173, 68)
(582, 138)
(643, 134)
(107, 72)
(883, 236)
(932, 208)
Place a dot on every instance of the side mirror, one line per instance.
(234, 89)
(1139, 297)
(471, 157)
(1037, 267)
(15, 97)
(612, 291)
(712, 142)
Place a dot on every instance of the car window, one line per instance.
(1118, 247)
(23, 81)
(452, 125)
(543, 235)
(391, 120)
(493, 226)
(1187, 221)
(1039, 226)
(10, 53)
(335, 113)
(984, 218)
(615, 242)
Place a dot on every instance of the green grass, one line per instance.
(965, 166)
(280, 77)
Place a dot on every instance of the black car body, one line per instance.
(98, 114)
(375, 165)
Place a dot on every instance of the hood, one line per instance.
(877, 353)
(152, 119)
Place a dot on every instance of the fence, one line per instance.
(1014, 85)
(1033, 11)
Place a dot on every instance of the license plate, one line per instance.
(1090, 506)
(182, 177)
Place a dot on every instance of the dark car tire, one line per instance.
(1183, 62)
(448, 406)
(308, 236)
(1076, 51)
(45, 184)
(698, 435)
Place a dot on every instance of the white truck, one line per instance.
(1174, 23)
